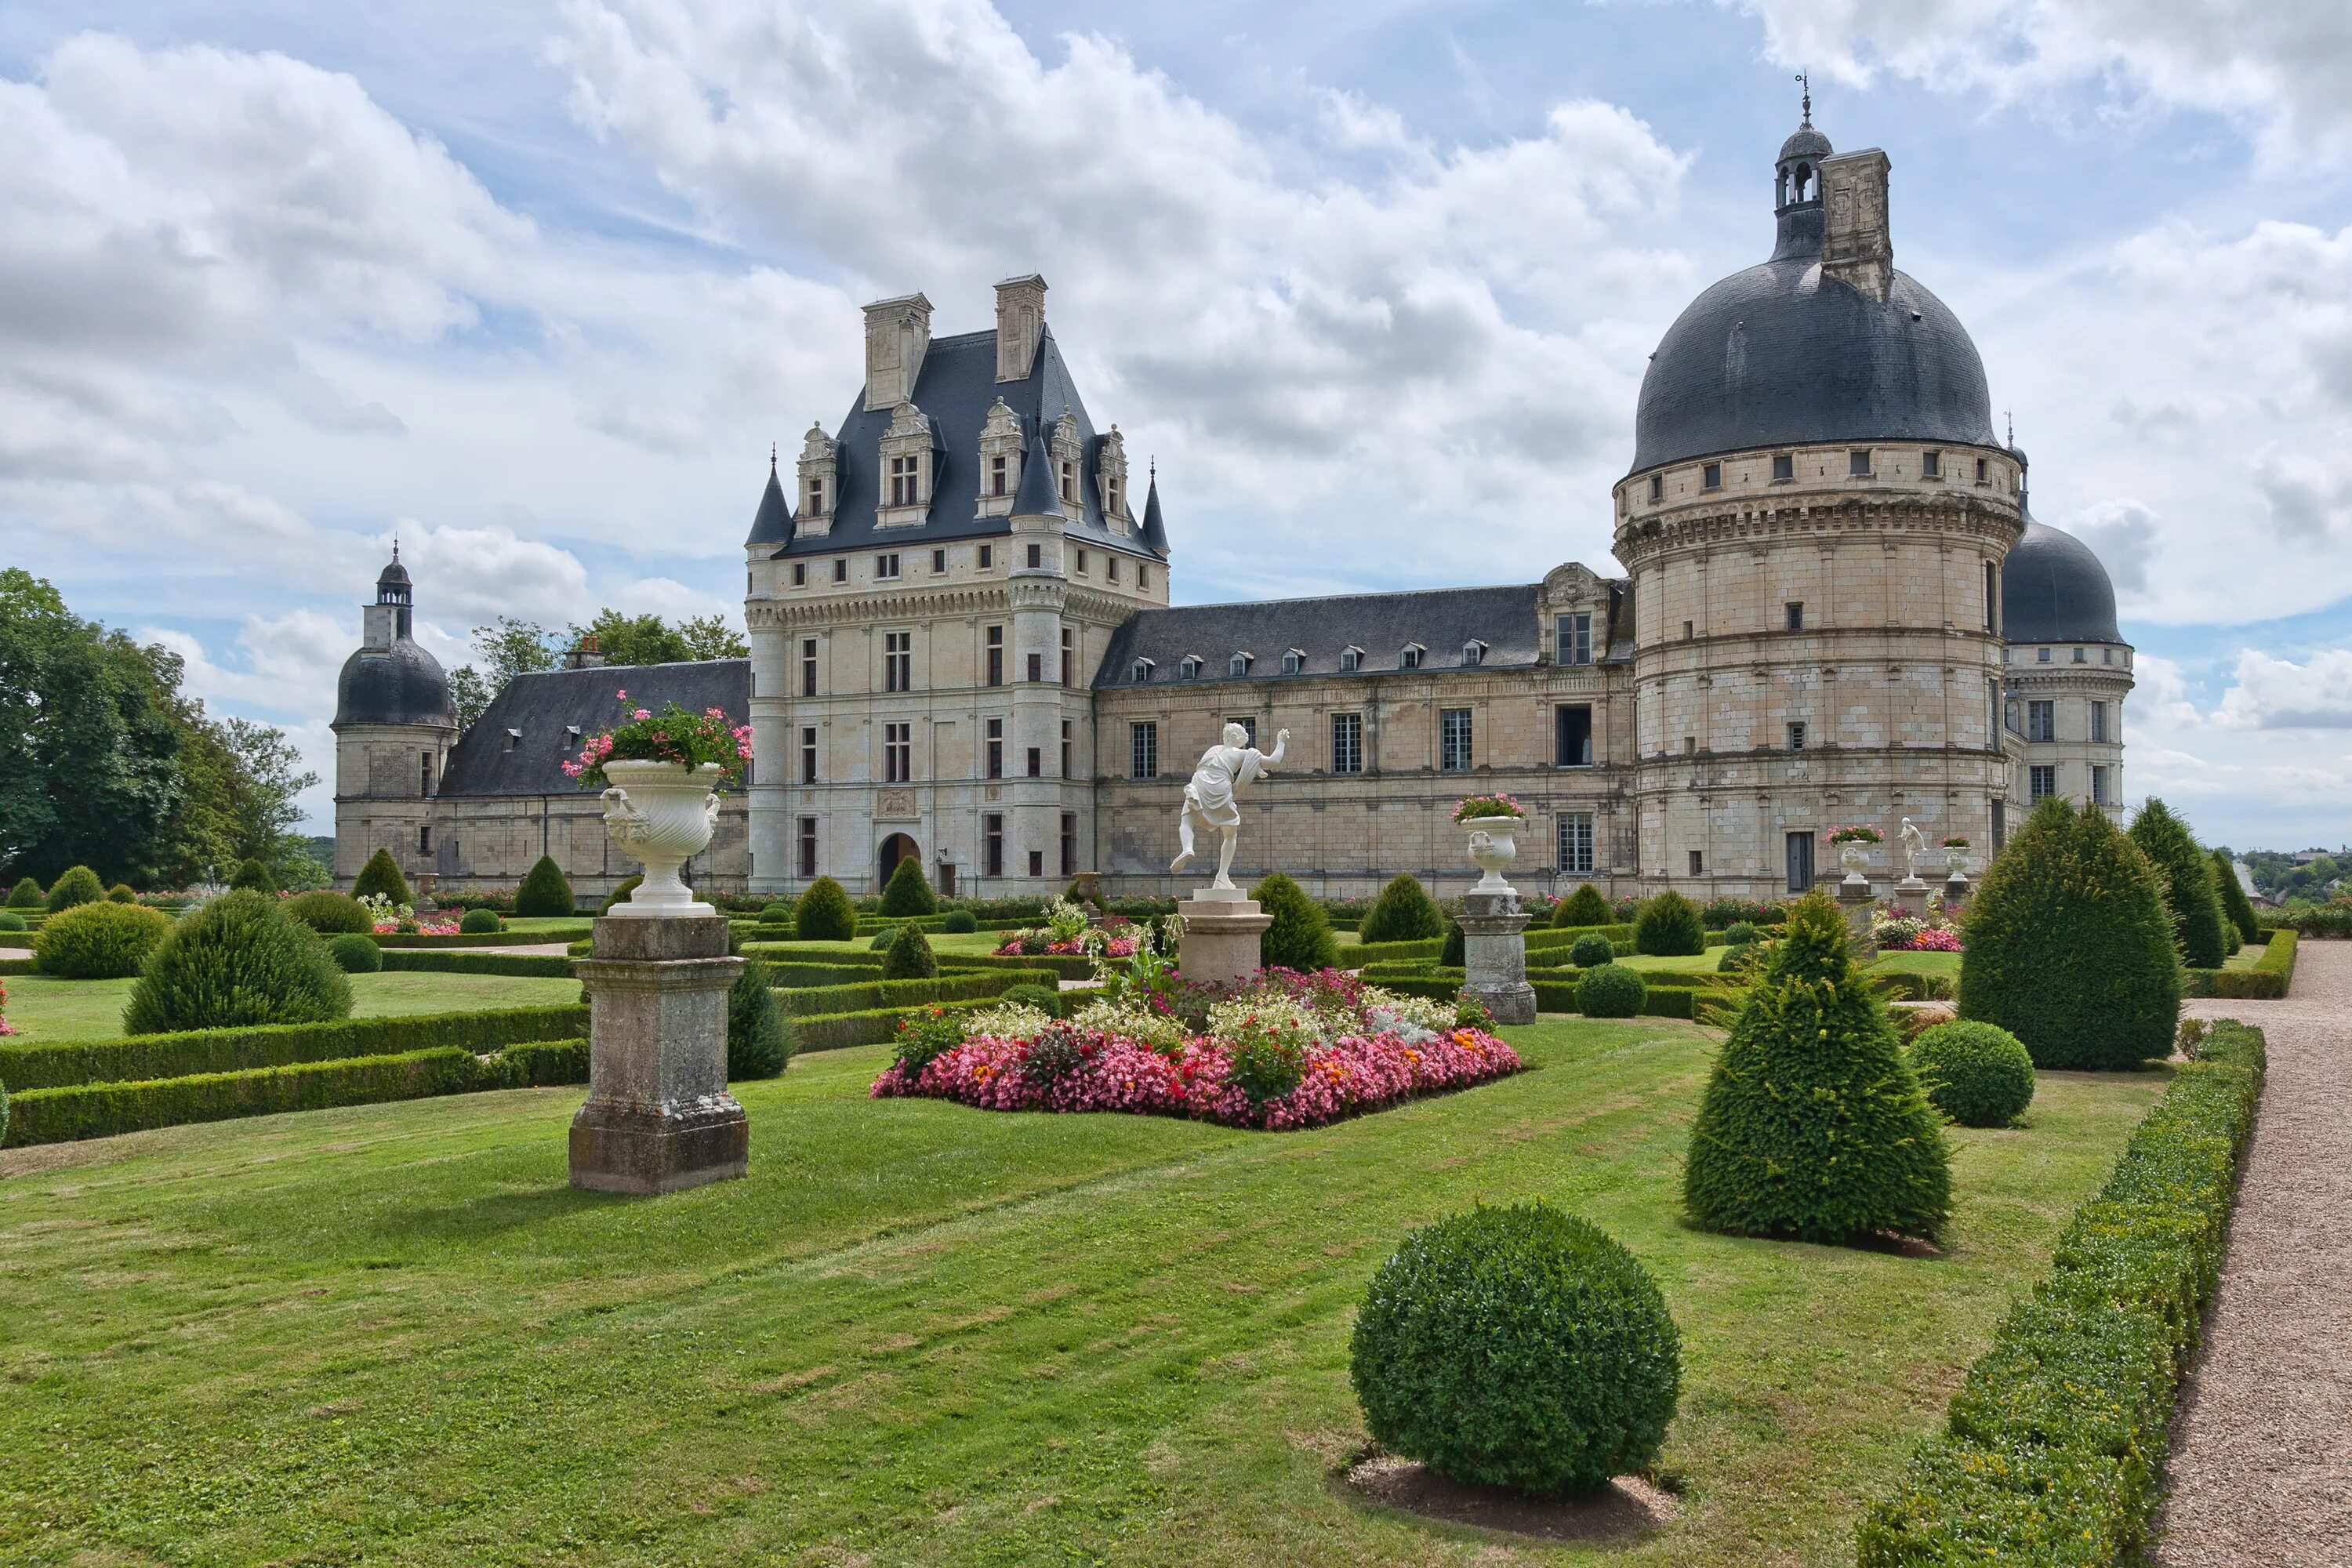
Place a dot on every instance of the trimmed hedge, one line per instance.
(1592, 950)
(1564, 938)
(545, 965)
(1065, 966)
(78, 886)
(2052, 1451)
(99, 942)
(462, 939)
(909, 956)
(355, 954)
(1611, 991)
(869, 994)
(1669, 926)
(871, 1027)
(331, 913)
(2266, 979)
(27, 894)
(2236, 908)
(481, 922)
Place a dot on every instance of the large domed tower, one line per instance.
(2069, 669)
(394, 727)
(1815, 521)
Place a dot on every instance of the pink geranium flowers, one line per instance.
(672, 735)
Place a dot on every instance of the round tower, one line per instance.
(2068, 667)
(394, 727)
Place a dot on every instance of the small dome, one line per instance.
(1805, 143)
(2053, 589)
(394, 573)
(399, 685)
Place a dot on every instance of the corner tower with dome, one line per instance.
(2067, 668)
(394, 727)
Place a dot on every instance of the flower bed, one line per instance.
(1067, 933)
(1896, 932)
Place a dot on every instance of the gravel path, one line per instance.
(2262, 1446)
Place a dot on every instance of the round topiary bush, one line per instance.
(1593, 950)
(1739, 933)
(1814, 1124)
(543, 894)
(960, 921)
(620, 894)
(99, 941)
(253, 876)
(1669, 927)
(480, 922)
(908, 891)
(1518, 1347)
(1978, 1074)
(355, 954)
(909, 957)
(329, 914)
(883, 938)
(121, 893)
(380, 878)
(1300, 936)
(27, 895)
(2070, 947)
(1403, 912)
(824, 913)
(1611, 991)
(776, 912)
(78, 886)
(238, 960)
(2186, 876)
(11, 920)
(1584, 907)
(759, 1036)
(1046, 1002)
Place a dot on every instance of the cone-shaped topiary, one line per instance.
(1976, 1074)
(380, 878)
(480, 922)
(1300, 936)
(1669, 926)
(329, 914)
(27, 895)
(824, 913)
(2236, 908)
(909, 957)
(1814, 1124)
(121, 893)
(2069, 945)
(620, 894)
(1457, 951)
(1592, 950)
(543, 894)
(1519, 1347)
(78, 886)
(2187, 877)
(355, 954)
(237, 962)
(254, 877)
(1611, 991)
(909, 892)
(759, 1036)
(98, 942)
(1403, 912)
(1584, 907)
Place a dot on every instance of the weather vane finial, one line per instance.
(396, 550)
(1805, 79)
(2009, 416)
(771, 454)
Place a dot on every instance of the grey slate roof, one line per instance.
(1037, 495)
(487, 760)
(399, 685)
(1155, 531)
(955, 389)
(1442, 621)
(2053, 589)
(773, 523)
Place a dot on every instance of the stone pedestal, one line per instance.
(1222, 926)
(658, 1117)
(1855, 902)
(1956, 893)
(1911, 897)
(1495, 956)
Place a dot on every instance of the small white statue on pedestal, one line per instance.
(1210, 799)
(1915, 843)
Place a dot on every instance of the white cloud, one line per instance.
(489, 572)
(2278, 694)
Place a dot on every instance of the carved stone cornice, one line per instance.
(1826, 517)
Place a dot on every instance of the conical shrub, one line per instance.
(543, 894)
(1584, 907)
(381, 876)
(759, 1036)
(2069, 945)
(78, 886)
(27, 894)
(1669, 926)
(253, 877)
(1300, 936)
(2236, 908)
(909, 892)
(1403, 912)
(2186, 879)
(1814, 1125)
(237, 962)
(909, 957)
(824, 913)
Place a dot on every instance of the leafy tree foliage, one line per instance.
(543, 893)
(1300, 936)
(1403, 912)
(2236, 908)
(1584, 907)
(2186, 876)
(909, 892)
(515, 647)
(380, 878)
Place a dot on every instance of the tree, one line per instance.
(649, 640)
(1814, 1124)
(1300, 936)
(2070, 946)
(907, 893)
(253, 875)
(1403, 912)
(2236, 907)
(510, 649)
(2186, 879)
(470, 694)
(380, 878)
(909, 957)
(543, 893)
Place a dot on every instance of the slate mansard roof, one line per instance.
(553, 708)
(955, 389)
(2053, 589)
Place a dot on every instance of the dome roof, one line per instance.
(2053, 589)
(394, 573)
(402, 684)
(1805, 143)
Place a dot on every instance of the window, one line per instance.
(903, 475)
(1796, 734)
(2098, 721)
(841, 569)
(1067, 736)
(1069, 844)
(1689, 631)
(1857, 463)
(1657, 487)
(1798, 851)
(1036, 668)
(1189, 667)
(1069, 656)
(1082, 563)
(2082, 656)
(808, 667)
(1576, 843)
(1992, 602)
(1292, 661)
(1140, 671)
(2107, 656)
(1931, 465)
(1711, 477)
(1037, 862)
(987, 556)
(1238, 666)
(1036, 763)
(886, 567)
(898, 661)
(1110, 568)
(816, 495)
(808, 845)
(994, 639)
(939, 562)
(514, 738)
(1794, 612)
(1999, 825)
(800, 573)
(808, 754)
(1351, 659)
(424, 839)
(1248, 722)
(1036, 557)
(1571, 729)
(1697, 863)
(1572, 638)
(2041, 720)
(2042, 656)
(1784, 465)
(1347, 742)
(2040, 782)
(1143, 750)
(1069, 483)
(1410, 658)
(1454, 740)
(1984, 471)
(424, 766)
(2099, 787)
(991, 844)
(2009, 717)
(1474, 653)
(1690, 745)
(997, 476)
(996, 748)
(897, 753)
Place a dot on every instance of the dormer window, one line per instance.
(904, 473)
(1189, 668)
(1474, 653)
(1139, 671)
(815, 502)
(514, 738)
(1069, 484)
(1000, 477)
(1239, 665)
(1292, 661)
(907, 469)
(1351, 659)
(1411, 659)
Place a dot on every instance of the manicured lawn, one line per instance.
(941, 942)
(43, 1008)
(551, 922)
(1944, 964)
(917, 1334)
(1707, 959)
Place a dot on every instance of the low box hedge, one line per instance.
(1542, 938)
(103, 1110)
(19, 965)
(2266, 979)
(429, 940)
(2052, 1450)
(140, 1057)
(865, 995)
(1064, 967)
(1558, 996)
(878, 1025)
(545, 965)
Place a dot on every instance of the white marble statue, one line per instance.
(1210, 800)
(1915, 843)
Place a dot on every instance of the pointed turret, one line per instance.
(1038, 496)
(1155, 532)
(774, 525)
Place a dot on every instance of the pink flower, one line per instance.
(624, 695)
(640, 713)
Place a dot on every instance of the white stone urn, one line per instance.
(1955, 856)
(1494, 844)
(1855, 859)
(661, 813)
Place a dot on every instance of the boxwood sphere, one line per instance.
(355, 954)
(480, 922)
(1518, 1347)
(1739, 933)
(11, 920)
(99, 941)
(1611, 991)
(1593, 952)
(960, 921)
(1978, 1074)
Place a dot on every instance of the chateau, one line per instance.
(1833, 608)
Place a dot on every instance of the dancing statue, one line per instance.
(1208, 799)
(1915, 843)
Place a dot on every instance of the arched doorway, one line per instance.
(894, 849)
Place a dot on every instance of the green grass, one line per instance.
(918, 1334)
(1707, 959)
(549, 922)
(1945, 964)
(941, 942)
(41, 1007)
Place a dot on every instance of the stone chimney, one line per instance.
(1020, 325)
(1856, 249)
(587, 655)
(897, 332)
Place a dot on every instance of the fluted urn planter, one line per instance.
(661, 814)
(1494, 844)
(1855, 859)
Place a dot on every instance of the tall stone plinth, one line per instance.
(1956, 892)
(1495, 956)
(1911, 897)
(658, 1117)
(1855, 902)
(1219, 946)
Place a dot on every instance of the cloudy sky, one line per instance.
(535, 285)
